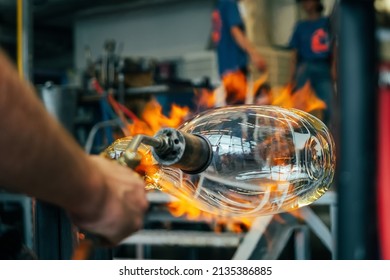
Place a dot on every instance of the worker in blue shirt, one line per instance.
(233, 49)
(313, 54)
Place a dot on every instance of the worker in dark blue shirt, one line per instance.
(233, 49)
(313, 54)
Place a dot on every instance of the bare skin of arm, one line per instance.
(334, 63)
(293, 67)
(248, 47)
(42, 160)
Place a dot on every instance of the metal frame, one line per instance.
(266, 238)
(27, 205)
(24, 33)
(357, 87)
(297, 223)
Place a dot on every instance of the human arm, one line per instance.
(293, 66)
(244, 43)
(235, 24)
(334, 63)
(41, 159)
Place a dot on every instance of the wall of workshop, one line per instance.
(168, 30)
(283, 16)
(180, 29)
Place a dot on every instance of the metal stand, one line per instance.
(269, 235)
(266, 239)
(358, 97)
(27, 219)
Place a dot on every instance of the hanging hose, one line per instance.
(119, 109)
(119, 113)
(128, 113)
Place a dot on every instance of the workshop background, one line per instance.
(156, 58)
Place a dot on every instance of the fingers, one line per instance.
(258, 61)
(124, 203)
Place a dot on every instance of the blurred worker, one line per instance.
(40, 159)
(313, 54)
(233, 49)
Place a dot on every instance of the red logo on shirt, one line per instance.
(320, 41)
(217, 26)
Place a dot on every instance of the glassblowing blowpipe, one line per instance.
(237, 161)
(192, 153)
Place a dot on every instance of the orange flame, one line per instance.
(204, 99)
(184, 206)
(153, 119)
(192, 212)
(303, 99)
(235, 84)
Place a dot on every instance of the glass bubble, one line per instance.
(266, 160)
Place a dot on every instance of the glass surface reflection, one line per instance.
(266, 160)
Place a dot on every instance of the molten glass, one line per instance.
(265, 160)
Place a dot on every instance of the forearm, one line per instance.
(334, 63)
(293, 66)
(39, 158)
(243, 41)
